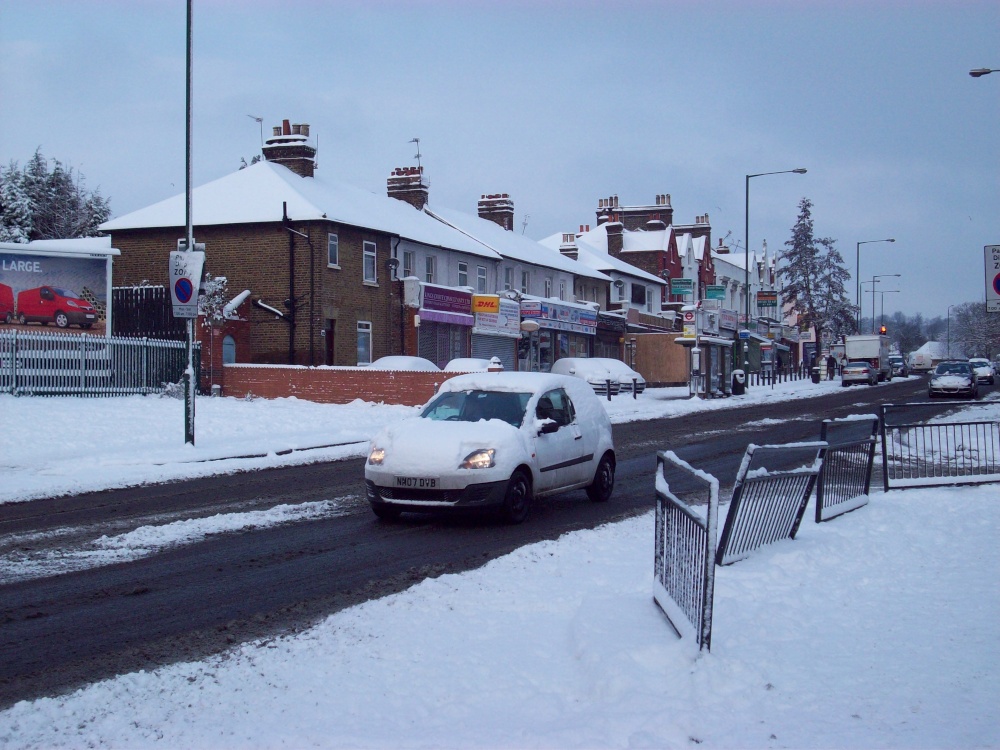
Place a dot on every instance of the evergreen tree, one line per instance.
(39, 204)
(814, 274)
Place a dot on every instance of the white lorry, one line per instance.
(873, 349)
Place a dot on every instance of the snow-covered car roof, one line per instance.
(468, 364)
(517, 382)
(583, 367)
(616, 366)
(399, 362)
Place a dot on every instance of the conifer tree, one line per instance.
(813, 273)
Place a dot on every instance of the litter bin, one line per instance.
(815, 374)
(739, 382)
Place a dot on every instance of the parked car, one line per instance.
(472, 364)
(400, 362)
(985, 373)
(6, 304)
(592, 370)
(858, 371)
(50, 304)
(623, 372)
(493, 440)
(953, 378)
(898, 366)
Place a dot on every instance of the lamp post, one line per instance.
(857, 275)
(980, 72)
(949, 330)
(874, 282)
(882, 313)
(746, 249)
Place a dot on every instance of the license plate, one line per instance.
(417, 483)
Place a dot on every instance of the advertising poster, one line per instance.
(58, 292)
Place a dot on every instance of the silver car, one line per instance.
(984, 370)
(953, 378)
(858, 371)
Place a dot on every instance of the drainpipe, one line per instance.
(290, 302)
(402, 301)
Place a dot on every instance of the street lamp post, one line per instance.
(746, 250)
(980, 72)
(949, 330)
(857, 275)
(874, 282)
(882, 313)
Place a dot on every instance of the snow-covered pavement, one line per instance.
(877, 629)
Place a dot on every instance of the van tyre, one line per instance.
(62, 320)
(604, 480)
(517, 501)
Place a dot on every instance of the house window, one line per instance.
(369, 262)
(228, 350)
(562, 289)
(463, 273)
(408, 263)
(364, 342)
(638, 295)
(481, 279)
(508, 278)
(332, 251)
(619, 287)
(548, 288)
(430, 264)
(525, 277)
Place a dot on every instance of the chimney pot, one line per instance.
(276, 130)
(286, 127)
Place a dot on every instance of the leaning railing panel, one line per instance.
(924, 447)
(845, 479)
(772, 489)
(685, 539)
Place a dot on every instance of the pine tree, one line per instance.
(39, 204)
(814, 274)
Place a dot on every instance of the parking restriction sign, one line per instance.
(185, 278)
(992, 257)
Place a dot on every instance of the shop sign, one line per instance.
(560, 317)
(447, 300)
(681, 286)
(505, 322)
(767, 299)
(690, 332)
(729, 320)
(485, 303)
(715, 291)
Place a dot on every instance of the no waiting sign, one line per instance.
(992, 253)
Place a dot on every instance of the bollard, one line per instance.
(608, 383)
(635, 388)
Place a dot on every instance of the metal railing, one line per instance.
(845, 480)
(79, 364)
(922, 448)
(772, 489)
(684, 565)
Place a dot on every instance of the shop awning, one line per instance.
(685, 341)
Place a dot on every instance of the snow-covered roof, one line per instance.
(511, 245)
(257, 195)
(633, 241)
(600, 260)
(78, 246)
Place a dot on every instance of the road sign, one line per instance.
(992, 258)
(744, 335)
(185, 278)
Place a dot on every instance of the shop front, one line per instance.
(710, 352)
(446, 320)
(497, 329)
(553, 331)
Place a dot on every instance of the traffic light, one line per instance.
(881, 330)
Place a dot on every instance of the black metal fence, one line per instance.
(845, 479)
(145, 312)
(923, 447)
(684, 565)
(782, 375)
(769, 498)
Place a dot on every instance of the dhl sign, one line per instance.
(485, 303)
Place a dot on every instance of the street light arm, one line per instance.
(980, 72)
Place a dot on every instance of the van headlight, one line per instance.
(481, 459)
(376, 456)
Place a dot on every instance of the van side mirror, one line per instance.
(548, 428)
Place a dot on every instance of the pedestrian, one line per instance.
(831, 367)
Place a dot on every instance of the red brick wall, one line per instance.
(333, 385)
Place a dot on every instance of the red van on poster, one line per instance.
(6, 304)
(50, 304)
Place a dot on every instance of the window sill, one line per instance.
(333, 266)
(373, 284)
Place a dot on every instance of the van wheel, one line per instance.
(21, 319)
(517, 501)
(604, 480)
(62, 320)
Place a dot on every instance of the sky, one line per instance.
(558, 104)
(871, 630)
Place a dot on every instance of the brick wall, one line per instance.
(333, 385)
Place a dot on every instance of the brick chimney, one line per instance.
(409, 185)
(289, 145)
(499, 209)
(616, 240)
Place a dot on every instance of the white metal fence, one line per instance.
(64, 364)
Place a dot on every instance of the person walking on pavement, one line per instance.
(831, 367)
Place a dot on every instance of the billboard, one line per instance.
(59, 284)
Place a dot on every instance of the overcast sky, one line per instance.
(556, 103)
